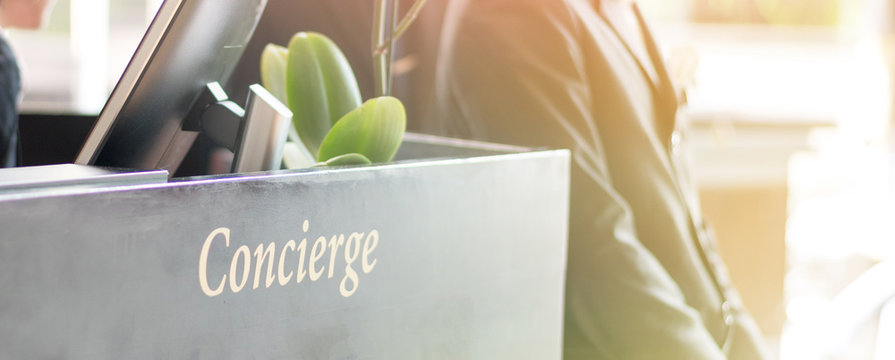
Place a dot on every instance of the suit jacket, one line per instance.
(643, 279)
(10, 84)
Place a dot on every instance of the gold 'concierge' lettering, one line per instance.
(241, 261)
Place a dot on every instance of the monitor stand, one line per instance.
(256, 134)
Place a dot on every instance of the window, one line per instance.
(72, 64)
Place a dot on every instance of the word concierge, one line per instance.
(357, 246)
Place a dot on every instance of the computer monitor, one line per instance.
(189, 48)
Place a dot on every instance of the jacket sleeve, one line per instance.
(513, 72)
(9, 121)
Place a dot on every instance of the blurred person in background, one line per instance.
(644, 280)
(21, 14)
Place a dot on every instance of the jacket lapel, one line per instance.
(639, 59)
(665, 94)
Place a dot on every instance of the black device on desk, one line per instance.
(170, 91)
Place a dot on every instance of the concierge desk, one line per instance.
(455, 251)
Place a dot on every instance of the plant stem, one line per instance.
(408, 19)
(385, 33)
(382, 43)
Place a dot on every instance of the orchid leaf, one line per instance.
(296, 156)
(375, 130)
(348, 159)
(320, 86)
(273, 70)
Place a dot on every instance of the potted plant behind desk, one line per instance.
(330, 125)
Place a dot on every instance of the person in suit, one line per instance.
(23, 14)
(643, 278)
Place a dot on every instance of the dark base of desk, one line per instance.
(49, 139)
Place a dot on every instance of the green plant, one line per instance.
(374, 130)
(330, 125)
(316, 81)
(320, 86)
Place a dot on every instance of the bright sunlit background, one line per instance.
(790, 114)
(72, 64)
(789, 126)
